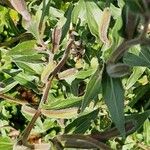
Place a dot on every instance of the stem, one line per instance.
(26, 132)
(118, 53)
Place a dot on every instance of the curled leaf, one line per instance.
(20, 6)
(118, 70)
(47, 70)
(56, 36)
(62, 113)
(104, 24)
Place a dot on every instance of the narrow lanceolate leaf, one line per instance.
(142, 58)
(61, 113)
(113, 94)
(104, 24)
(67, 73)
(118, 70)
(28, 110)
(20, 6)
(137, 72)
(93, 87)
(137, 120)
(6, 143)
(93, 15)
(82, 124)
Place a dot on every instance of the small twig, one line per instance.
(14, 100)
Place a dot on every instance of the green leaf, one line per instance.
(8, 84)
(84, 73)
(79, 12)
(113, 93)
(135, 5)
(24, 48)
(93, 87)
(66, 26)
(35, 69)
(137, 72)
(63, 103)
(140, 59)
(93, 15)
(146, 128)
(82, 123)
(38, 58)
(137, 120)
(6, 143)
(139, 93)
(23, 79)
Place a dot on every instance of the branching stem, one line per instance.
(25, 134)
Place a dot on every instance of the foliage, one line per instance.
(74, 74)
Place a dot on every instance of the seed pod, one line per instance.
(118, 70)
(20, 6)
(104, 24)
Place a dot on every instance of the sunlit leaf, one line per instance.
(61, 113)
(6, 143)
(137, 72)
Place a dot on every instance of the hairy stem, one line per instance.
(118, 53)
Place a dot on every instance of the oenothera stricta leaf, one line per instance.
(67, 73)
(24, 48)
(20, 6)
(61, 113)
(113, 93)
(79, 12)
(63, 103)
(52, 113)
(82, 124)
(43, 146)
(28, 110)
(93, 14)
(6, 143)
(137, 120)
(138, 59)
(137, 72)
(47, 70)
(93, 87)
(103, 26)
